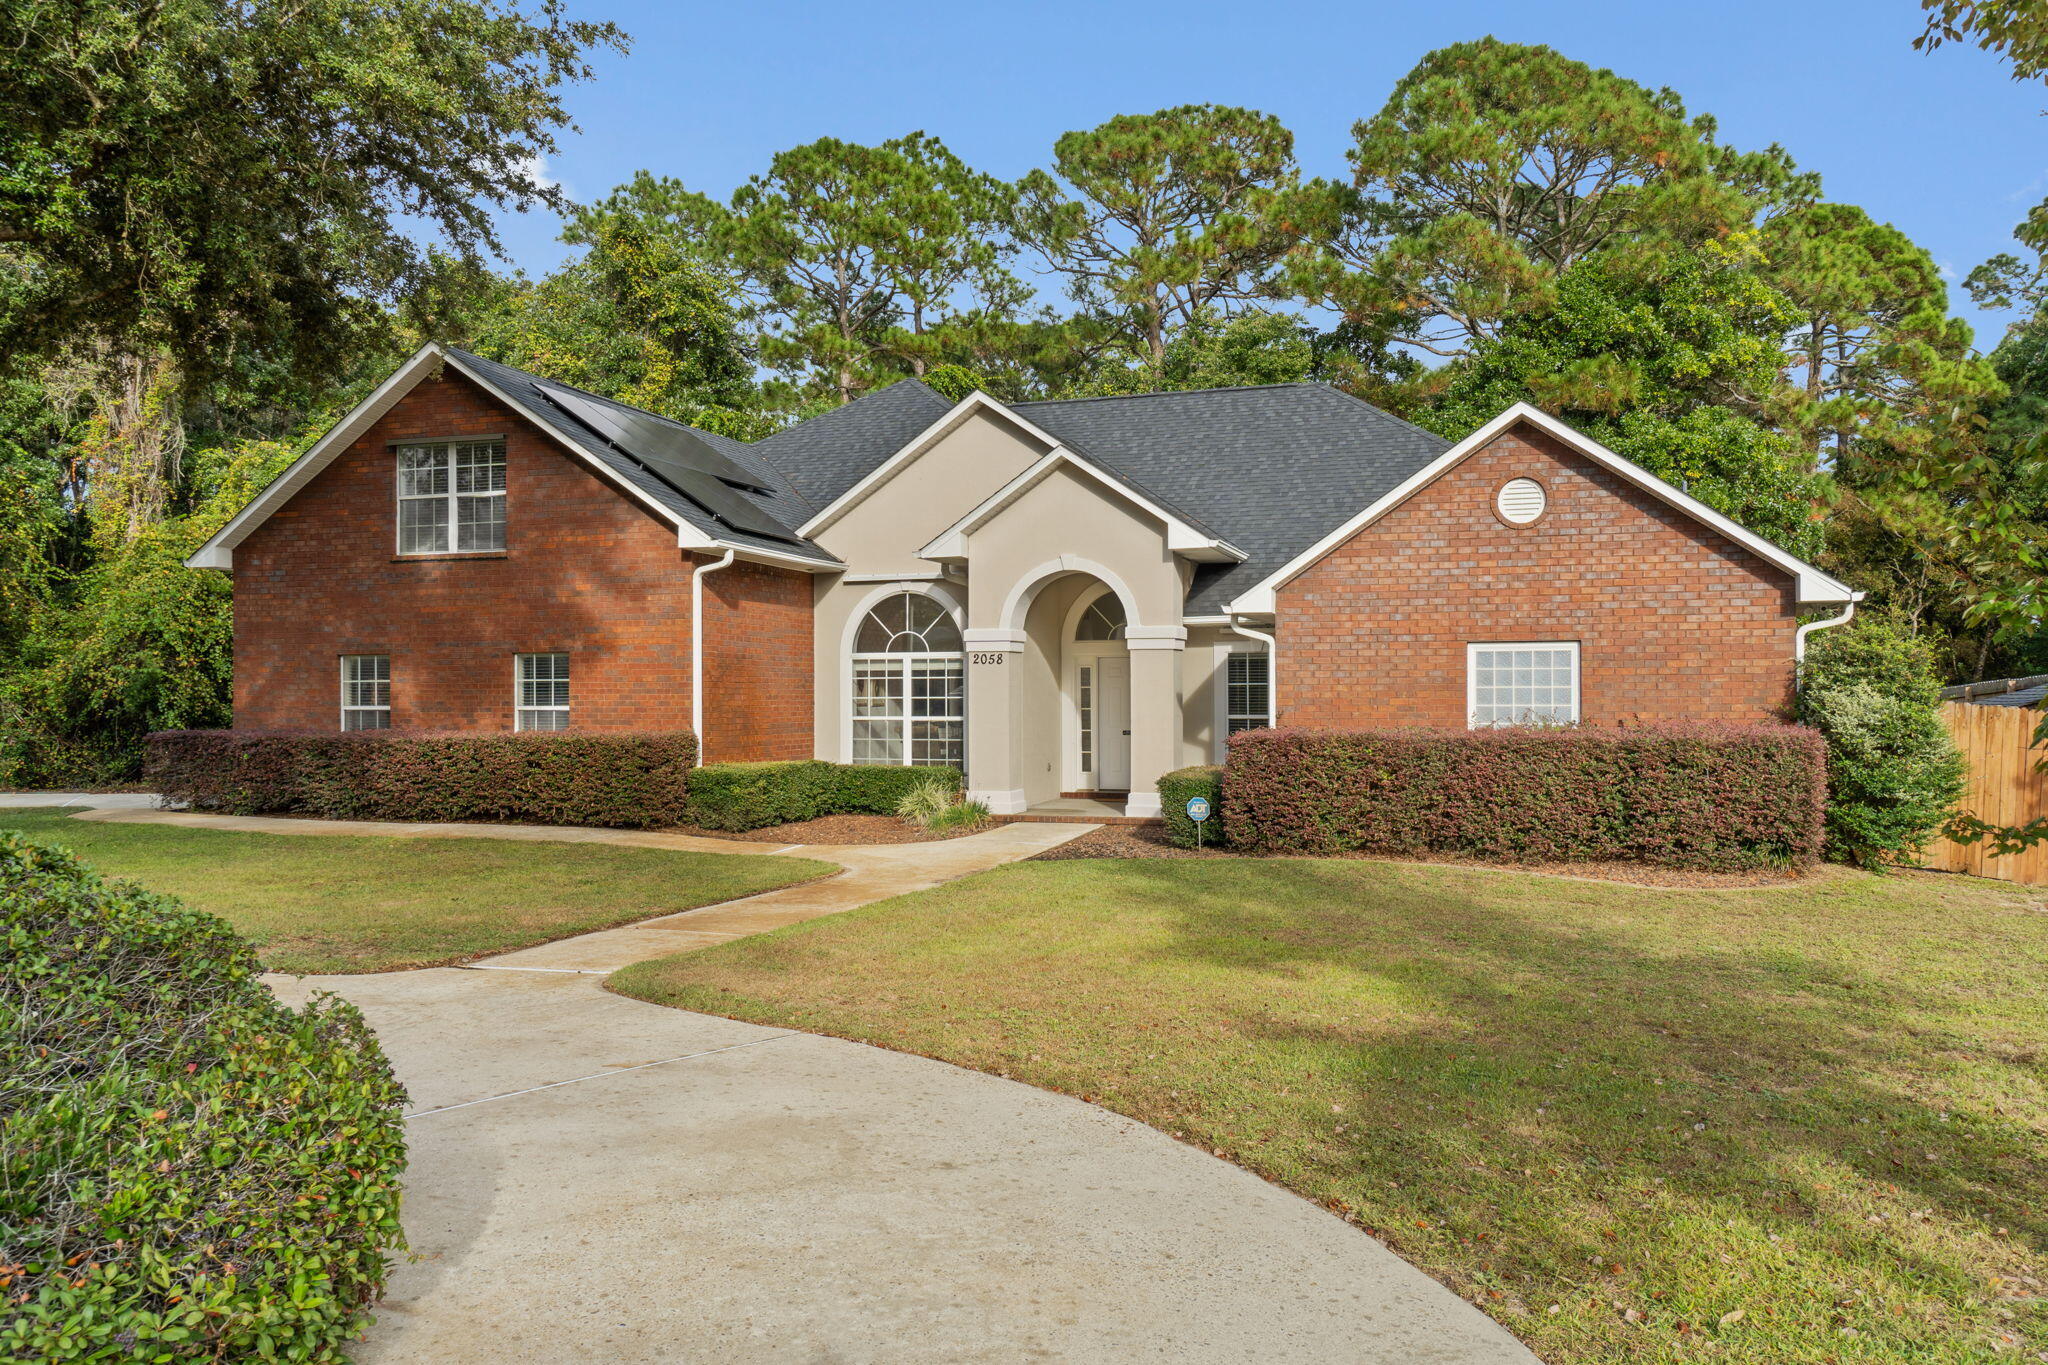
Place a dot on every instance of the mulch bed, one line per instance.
(834, 829)
(1149, 841)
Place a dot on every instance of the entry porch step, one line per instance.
(1101, 810)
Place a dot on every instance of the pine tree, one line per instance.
(1155, 218)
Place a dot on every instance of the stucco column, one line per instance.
(993, 668)
(1155, 710)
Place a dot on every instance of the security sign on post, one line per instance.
(1198, 811)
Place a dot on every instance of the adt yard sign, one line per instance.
(1198, 808)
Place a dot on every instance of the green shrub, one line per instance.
(560, 778)
(189, 1170)
(741, 796)
(1177, 788)
(1894, 774)
(875, 789)
(1706, 796)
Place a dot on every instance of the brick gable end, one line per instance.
(586, 570)
(1674, 621)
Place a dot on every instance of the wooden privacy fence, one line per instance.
(2005, 787)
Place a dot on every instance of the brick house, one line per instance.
(1070, 596)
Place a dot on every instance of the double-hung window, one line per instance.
(541, 692)
(1246, 686)
(451, 497)
(1522, 684)
(366, 692)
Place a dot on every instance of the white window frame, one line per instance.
(1472, 653)
(520, 710)
(349, 707)
(1221, 682)
(1260, 716)
(450, 498)
(901, 667)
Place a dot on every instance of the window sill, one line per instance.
(459, 554)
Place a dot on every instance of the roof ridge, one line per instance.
(1391, 417)
(601, 397)
(1176, 393)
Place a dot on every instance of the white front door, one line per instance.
(1113, 672)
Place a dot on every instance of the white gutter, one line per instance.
(1799, 638)
(1272, 671)
(697, 646)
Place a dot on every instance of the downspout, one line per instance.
(1799, 638)
(1272, 670)
(697, 647)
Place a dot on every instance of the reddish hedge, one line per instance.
(619, 780)
(1716, 797)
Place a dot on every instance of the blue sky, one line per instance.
(1944, 145)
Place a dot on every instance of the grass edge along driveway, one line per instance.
(1794, 1124)
(345, 903)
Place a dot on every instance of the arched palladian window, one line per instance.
(1104, 619)
(909, 688)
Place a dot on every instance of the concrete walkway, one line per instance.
(597, 1179)
(871, 872)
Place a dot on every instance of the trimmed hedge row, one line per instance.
(616, 780)
(189, 1170)
(1179, 787)
(1710, 797)
(738, 796)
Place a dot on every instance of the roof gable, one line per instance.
(826, 455)
(525, 395)
(1814, 585)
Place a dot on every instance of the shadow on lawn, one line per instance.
(1545, 1038)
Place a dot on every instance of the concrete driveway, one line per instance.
(598, 1179)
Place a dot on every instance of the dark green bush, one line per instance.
(561, 778)
(738, 796)
(1180, 786)
(189, 1170)
(1894, 773)
(1684, 796)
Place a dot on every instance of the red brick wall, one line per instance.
(757, 647)
(586, 570)
(1674, 621)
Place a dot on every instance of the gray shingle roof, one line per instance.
(833, 451)
(1272, 470)
(783, 504)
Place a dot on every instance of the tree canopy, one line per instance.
(205, 176)
(1156, 218)
(221, 225)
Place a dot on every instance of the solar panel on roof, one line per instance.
(728, 506)
(679, 459)
(651, 440)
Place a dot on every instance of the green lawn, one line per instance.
(1774, 1125)
(344, 903)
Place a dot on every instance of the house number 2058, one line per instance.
(992, 658)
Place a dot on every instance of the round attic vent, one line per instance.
(1520, 501)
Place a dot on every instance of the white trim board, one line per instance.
(1814, 585)
(218, 551)
(950, 545)
(1182, 539)
(915, 446)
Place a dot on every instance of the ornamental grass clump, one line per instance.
(189, 1169)
(936, 804)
